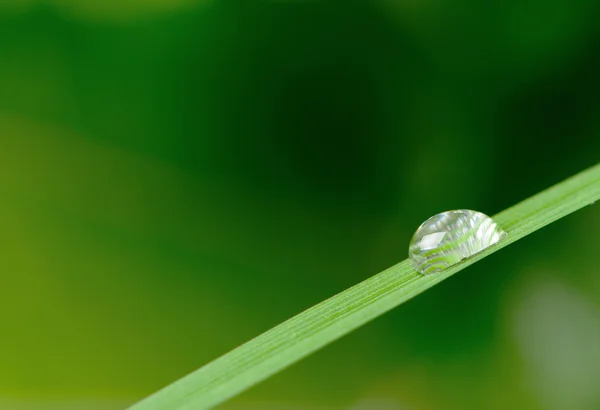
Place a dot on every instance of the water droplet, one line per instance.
(447, 238)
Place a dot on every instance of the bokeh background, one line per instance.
(178, 176)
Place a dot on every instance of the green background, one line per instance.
(177, 177)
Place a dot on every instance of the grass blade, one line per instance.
(322, 324)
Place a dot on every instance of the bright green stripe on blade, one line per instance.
(322, 324)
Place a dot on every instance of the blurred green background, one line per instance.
(177, 177)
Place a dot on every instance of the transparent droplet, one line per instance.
(447, 238)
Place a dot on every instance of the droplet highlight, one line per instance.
(447, 238)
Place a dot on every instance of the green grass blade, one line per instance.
(320, 325)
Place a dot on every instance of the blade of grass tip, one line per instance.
(322, 324)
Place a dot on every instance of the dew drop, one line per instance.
(447, 238)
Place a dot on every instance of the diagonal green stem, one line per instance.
(322, 324)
